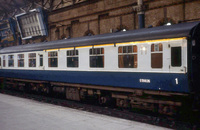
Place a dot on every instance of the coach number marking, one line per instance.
(176, 79)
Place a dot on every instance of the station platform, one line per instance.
(26, 114)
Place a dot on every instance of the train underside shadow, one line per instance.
(176, 105)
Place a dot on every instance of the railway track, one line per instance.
(143, 117)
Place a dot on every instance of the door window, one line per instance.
(176, 57)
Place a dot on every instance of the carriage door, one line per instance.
(41, 61)
(178, 59)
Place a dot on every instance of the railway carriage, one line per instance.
(152, 68)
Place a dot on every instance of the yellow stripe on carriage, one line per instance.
(138, 42)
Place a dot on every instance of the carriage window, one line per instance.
(0, 61)
(10, 60)
(72, 58)
(97, 57)
(157, 55)
(176, 56)
(20, 60)
(4, 61)
(32, 59)
(41, 60)
(53, 59)
(127, 57)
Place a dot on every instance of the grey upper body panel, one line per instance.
(173, 31)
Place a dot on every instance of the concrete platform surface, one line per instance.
(25, 114)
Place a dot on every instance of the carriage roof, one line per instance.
(190, 29)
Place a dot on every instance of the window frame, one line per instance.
(51, 57)
(32, 58)
(12, 59)
(19, 58)
(93, 52)
(157, 50)
(4, 61)
(72, 54)
(126, 51)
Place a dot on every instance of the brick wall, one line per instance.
(104, 16)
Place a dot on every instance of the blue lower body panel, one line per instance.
(151, 81)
